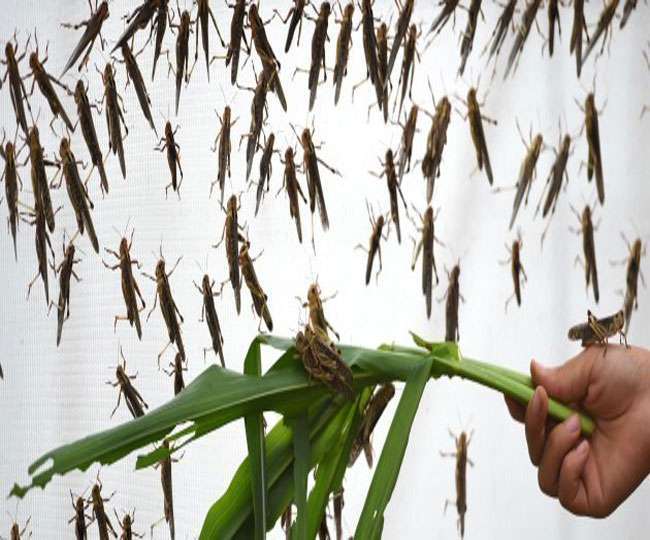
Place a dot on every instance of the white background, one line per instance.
(52, 396)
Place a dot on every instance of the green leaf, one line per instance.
(301, 466)
(256, 453)
(383, 481)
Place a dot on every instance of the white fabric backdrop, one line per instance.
(51, 396)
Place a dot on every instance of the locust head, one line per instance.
(637, 247)
(178, 361)
(313, 294)
(390, 162)
(126, 522)
(80, 505)
(288, 155)
(185, 20)
(102, 11)
(79, 92)
(107, 77)
(586, 216)
(455, 274)
(205, 284)
(348, 11)
(226, 115)
(428, 215)
(15, 532)
(169, 132)
(325, 10)
(413, 33)
(305, 138)
(96, 493)
(160, 270)
(471, 97)
(124, 249)
(231, 208)
(64, 147)
(382, 33)
(380, 223)
(9, 150)
(34, 64)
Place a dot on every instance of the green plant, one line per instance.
(316, 432)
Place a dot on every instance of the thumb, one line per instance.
(568, 382)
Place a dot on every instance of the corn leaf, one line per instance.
(301, 466)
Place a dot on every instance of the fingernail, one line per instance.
(535, 365)
(582, 448)
(537, 400)
(573, 424)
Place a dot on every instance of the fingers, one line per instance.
(559, 443)
(535, 420)
(568, 382)
(571, 488)
(516, 409)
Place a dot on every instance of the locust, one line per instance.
(134, 75)
(84, 112)
(374, 243)
(383, 78)
(318, 51)
(516, 269)
(476, 119)
(401, 29)
(338, 503)
(322, 361)
(223, 138)
(79, 518)
(343, 45)
(462, 442)
(553, 14)
(291, 184)
(236, 36)
(114, 116)
(16, 532)
(371, 415)
(592, 132)
(260, 299)
(295, 13)
(177, 373)
(258, 108)
(323, 531)
(468, 36)
(447, 11)
(137, 20)
(588, 247)
(266, 170)
(40, 185)
(579, 26)
(628, 8)
(500, 31)
(452, 296)
(168, 306)
(285, 522)
(99, 513)
(16, 85)
(160, 27)
(317, 320)
(79, 198)
(603, 28)
(129, 284)
(388, 166)
(209, 314)
(436, 141)
(260, 39)
(370, 47)
(12, 180)
(127, 527)
(598, 331)
(407, 72)
(44, 80)
(132, 397)
(182, 70)
(165, 465)
(65, 271)
(93, 29)
(42, 241)
(232, 236)
(406, 146)
(169, 145)
(633, 271)
(556, 176)
(203, 16)
(425, 245)
(526, 23)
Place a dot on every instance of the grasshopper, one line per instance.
(408, 65)
(260, 300)
(374, 243)
(232, 236)
(452, 295)
(99, 513)
(12, 179)
(114, 116)
(318, 51)
(406, 146)
(258, 109)
(401, 29)
(323, 531)
(79, 518)
(579, 26)
(587, 230)
(93, 29)
(295, 13)
(266, 170)
(555, 177)
(129, 285)
(285, 522)
(388, 166)
(168, 306)
(598, 331)
(500, 31)
(132, 397)
(182, 70)
(603, 28)
(168, 495)
(16, 532)
(127, 526)
(516, 269)
(468, 36)
(65, 271)
(42, 239)
(553, 14)
(378, 54)
(291, 184)
(134, 74)
(89, 133)
(476, 119)
(317, 320)
(371, 415)
(16, 85)
(40, 185)
(223, 138)
(209, 314)
(338, 503)
(236, 36)
(370, 48)
(138, 19)
(628, 8)
(446, 12)
(203, 12)
(436, 141)
(343, 46)
(425, 245)
(259, 37)
(592, 132)
(322, 361)
(169, 145)
(633, 263)
(527, 20)
(160, 26)
(177, 372)
(79, 198)
(44, 80)
(462, 442)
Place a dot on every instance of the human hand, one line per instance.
(592, 476)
